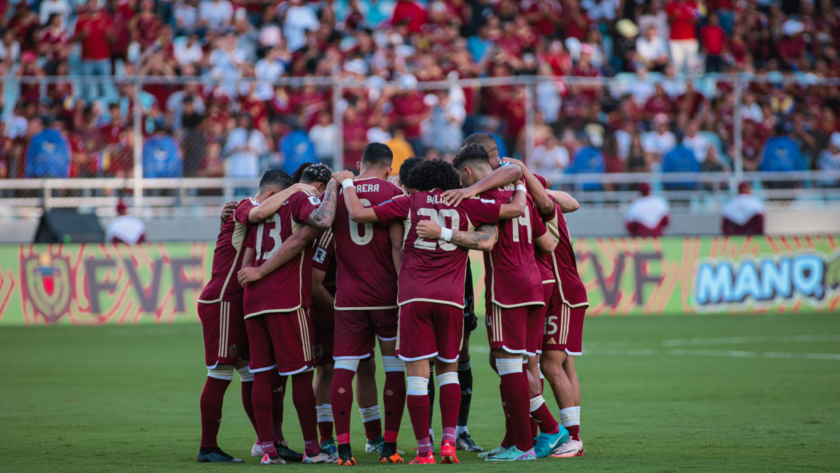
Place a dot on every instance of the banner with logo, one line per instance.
(160, 283)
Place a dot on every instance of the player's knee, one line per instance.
(245, 374)
(224, 372)
(367, 367)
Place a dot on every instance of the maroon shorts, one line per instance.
(225, 337)
(358, 330)
(281, 340)
(323, 324)
(563, 327)
(429, 329)
(515, 329)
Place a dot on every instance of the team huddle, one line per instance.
(316, 268)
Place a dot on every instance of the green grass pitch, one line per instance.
(666, 394)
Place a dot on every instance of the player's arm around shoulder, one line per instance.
(482, 239)
(516, 207)
(567, 203)
(496, 179)
(271, 205)
(357, 211)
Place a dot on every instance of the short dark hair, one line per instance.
(316, 173)
(482, 139)
(405, 170)
(434, 174)
(377, 154)
(276, 177)
(471, 154)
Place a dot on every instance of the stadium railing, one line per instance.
(101, 190)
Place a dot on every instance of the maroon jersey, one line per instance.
(572, 291)
(227, 257)
(323, 260)
(290, 286)
(434, 271)
(511, 275)
(365, 274)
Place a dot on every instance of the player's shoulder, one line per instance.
(305, 195)
(249, 202)
(402, 198)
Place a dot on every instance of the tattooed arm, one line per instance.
(483, 238)
(322, 217)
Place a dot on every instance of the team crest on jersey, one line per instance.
(314, 200)
(320, 255)
(232, 351)
(47, 284)
(318, 350)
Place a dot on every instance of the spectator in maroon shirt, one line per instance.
(411, 111)
(411, 13)
(659, 103)
(121, 13)
(25, 25)
(95, 30)
(575, 21)
(713, 38)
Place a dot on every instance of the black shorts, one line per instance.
(470, 320)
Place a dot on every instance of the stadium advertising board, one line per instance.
(159, 283)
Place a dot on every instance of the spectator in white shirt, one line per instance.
(299, 19)
(243, 148)
(215, 14)
(652, 49)
(323, 137)
(550, 158)
(124, 228)
(697, 143)
(57, 7)
(186, 17)
(599, 10)
(657, 143)
(642, 89)
(190, 52)
(750, 110)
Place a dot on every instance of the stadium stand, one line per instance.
(229, 88)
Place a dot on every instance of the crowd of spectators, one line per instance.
(664, 110)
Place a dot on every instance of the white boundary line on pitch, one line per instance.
(712, 353)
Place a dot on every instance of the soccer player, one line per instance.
(515, 310)
(276, 305)
(220, 311)
(323, 323)
(563, 336)
(367, 256)
(431, 282)
(563, 331)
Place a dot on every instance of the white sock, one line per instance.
(570, 416)
(459, 429)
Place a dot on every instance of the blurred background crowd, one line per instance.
(210, 105)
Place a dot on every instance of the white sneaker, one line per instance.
(256, 450)
(572, 448)
(322, 457)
